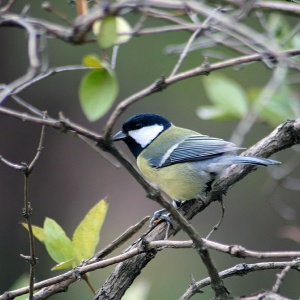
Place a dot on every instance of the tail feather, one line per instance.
(254, 161)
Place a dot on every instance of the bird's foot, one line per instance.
(160, 216)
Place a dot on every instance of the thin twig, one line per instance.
(27, 212)
(119, 240)
(39, 149)
(240, 270)
(11, 164)
(49, 73)
(292, 34)
(246, 123)
(280, 277)
(8, 5)
(28, 106)
(47, 6)
(215, 227)
(185, 50)
(114, 56)
(105, 155)
(34, 62)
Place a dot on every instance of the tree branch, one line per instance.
(60, 283)
(34, 62)
(240, 270)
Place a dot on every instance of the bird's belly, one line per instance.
(180, 181)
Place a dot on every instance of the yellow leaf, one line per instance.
(92, 61)
(37, 231)
(64, 265)
(86, 236)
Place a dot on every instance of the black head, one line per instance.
(140, 130)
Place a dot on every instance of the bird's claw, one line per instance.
(160, 216)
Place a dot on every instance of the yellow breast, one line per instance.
(180, 181)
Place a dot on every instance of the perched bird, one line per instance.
(181, 162)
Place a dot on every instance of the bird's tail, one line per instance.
(254, 161)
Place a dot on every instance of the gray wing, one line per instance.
(193, 148)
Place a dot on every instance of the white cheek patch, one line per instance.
(146, 135)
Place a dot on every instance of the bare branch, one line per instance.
(247, 122)
(280, 278)
(240, 270)
(119, 240)
(34, 62)
(39, 149)
(48, 73)
(59, 283)
(8, 5)
(27, 212)
(11, 164)
(196, 33)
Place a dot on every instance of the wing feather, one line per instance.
(194, 148)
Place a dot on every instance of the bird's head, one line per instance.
(140, 130)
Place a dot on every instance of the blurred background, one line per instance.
(69, 178)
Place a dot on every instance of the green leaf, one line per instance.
(226, 94)
(139, 290)
(58, 245)
(64, 265)
(37, 231)
(98, 91)
(284, 105)
(281, 29)
(112, 31)
(123, 27)
(86, 236)
(107, 35)
(92, 61)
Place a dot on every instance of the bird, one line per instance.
(180, 162)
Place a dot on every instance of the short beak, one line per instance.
(119, 136)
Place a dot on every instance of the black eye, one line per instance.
(138, 126)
